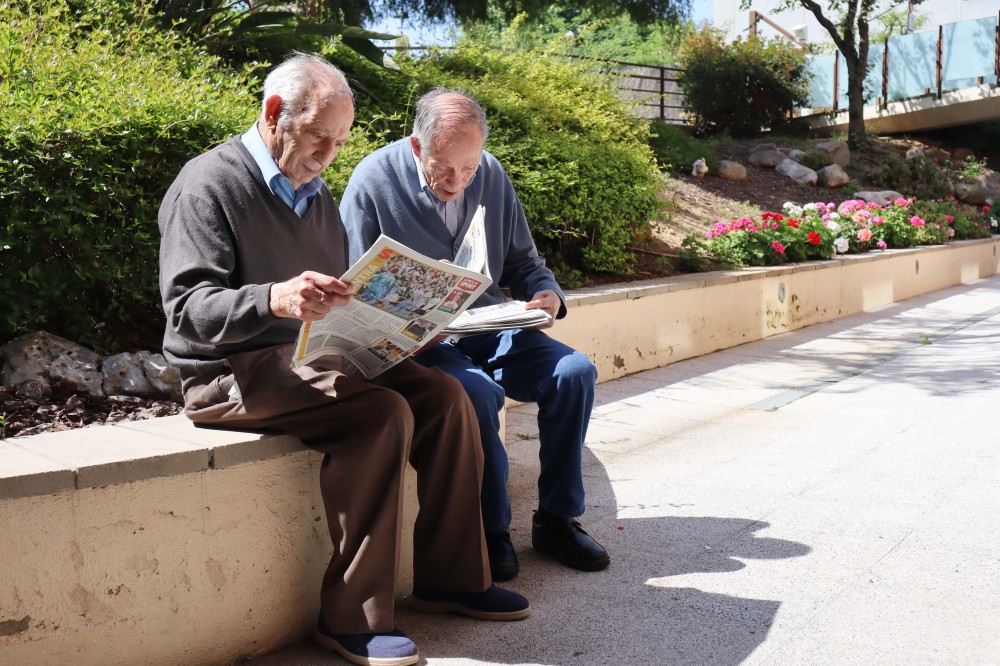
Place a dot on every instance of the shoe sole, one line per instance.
(335, 645)
(439, 607)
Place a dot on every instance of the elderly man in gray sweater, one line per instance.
(424, 191)
(252, 242)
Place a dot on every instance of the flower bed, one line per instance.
(822, 230)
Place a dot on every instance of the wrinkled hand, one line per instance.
(309, 296)
(547, 300)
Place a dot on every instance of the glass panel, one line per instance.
(968, 52)
(821, 84)
(912, 64)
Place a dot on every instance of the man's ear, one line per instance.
(272, 109)
(415, 144)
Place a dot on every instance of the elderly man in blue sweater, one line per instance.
(424, 191)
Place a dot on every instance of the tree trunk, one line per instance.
(856, 136)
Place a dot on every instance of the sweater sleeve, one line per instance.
(197, 264)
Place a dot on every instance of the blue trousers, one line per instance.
(529, 366)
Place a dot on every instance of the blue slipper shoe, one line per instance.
(388, 649)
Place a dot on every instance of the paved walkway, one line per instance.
(828, 496)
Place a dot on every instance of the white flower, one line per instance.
(993, 222)
(833, 226)
(835, 215)
(810, 207)
(788, 204)
(840, 245)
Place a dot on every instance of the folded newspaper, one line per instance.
(511, 314)
(402, 300)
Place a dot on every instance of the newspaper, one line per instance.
(472, 253)
(511, 314)
(402, 300)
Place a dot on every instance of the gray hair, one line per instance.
(299, 81)
(442, 109)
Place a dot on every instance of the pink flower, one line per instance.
(864, 235)
(778, 247)
(986, 209)
(881, 245)
(878, 220)
(950, 218)
(951, 233)
(916, 221)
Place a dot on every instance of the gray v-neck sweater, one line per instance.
(225, 239)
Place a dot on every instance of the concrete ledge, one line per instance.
(197, 546)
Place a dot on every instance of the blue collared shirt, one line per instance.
(298, 200)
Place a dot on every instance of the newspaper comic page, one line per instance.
(402, 300)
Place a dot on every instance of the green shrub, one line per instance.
(100, 114)
(676, 151)
(917, 176)
(743, 87)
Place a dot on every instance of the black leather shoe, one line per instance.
(503, 559)
(565, 540)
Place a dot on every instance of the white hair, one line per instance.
(300, 81)
(441, 109)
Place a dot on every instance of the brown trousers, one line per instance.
(368, 430)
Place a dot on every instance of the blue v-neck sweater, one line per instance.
(384, 197)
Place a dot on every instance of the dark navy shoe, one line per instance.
(389, 649)
(565, 540)
(503, 558)
(493, 604)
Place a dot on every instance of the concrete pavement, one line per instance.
(826, 496)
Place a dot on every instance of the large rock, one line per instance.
(837, 150)
(49, 359)
(164, 378)
(123, 375)
(729, 170)
(766, 158)
(797, 172)
(796, 154)
(45, 364)
(832, 176)
(971, 192)
(882, 198)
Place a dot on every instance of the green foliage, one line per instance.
(99, 116)
(676, 151)
(973, 167)
(743, 87)
(582, 31)
(264, 30)
(917, 175)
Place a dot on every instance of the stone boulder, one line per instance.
(882, 198)
(832, 176)
(729, 170)
(51, 359)
(766, 158)
(971, 192)
(796, 154)
(46, 364)
(802, 175)
(837, 150)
